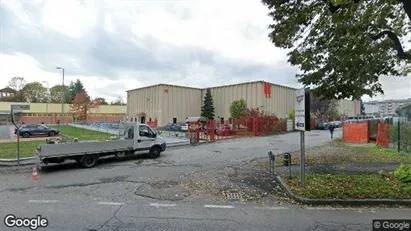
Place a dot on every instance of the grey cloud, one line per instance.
(105, 54)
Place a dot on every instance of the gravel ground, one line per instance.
(253, 184)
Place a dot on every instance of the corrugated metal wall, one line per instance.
(144, 100)
(225, 95)
(179, 102)
(281, 102)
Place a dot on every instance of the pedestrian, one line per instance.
(331, 128)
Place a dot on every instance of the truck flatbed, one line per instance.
(83, 148)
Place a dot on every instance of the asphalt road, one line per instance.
(145, 194)
(77, 214)
(4, 132)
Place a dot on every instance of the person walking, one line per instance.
(331, 128)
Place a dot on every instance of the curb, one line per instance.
(352, 202)
(13, 162)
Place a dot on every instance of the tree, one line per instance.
(34, 92)
(76, 88)
(17, 83)
(55, 94)
(292, 115)
(342, 46)
(320, 106)
(404, 110)
(82, 104)
(333, 114)
(207, 110)
(101, 101)
(237, 108)
(118, 101)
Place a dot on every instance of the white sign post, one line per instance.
(302, 123)
(18, 107)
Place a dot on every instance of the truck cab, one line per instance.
(144, 138)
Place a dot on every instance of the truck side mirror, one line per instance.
(154, 135)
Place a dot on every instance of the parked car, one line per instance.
(184, 127)
(174, 127)
(29, 130)
(336, 123)
(322, 126)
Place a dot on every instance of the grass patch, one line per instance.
(27, 149)
(351, 187)
(340, 153)
(83, 134)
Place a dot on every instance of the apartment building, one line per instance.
(384, 108)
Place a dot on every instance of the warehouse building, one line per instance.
(167, 103)
(170, 103)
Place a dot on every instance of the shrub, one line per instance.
(267, 124)
(403, 173)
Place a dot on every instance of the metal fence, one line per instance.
(104, 127)
(400, 136)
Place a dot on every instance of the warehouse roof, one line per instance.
(228, 85)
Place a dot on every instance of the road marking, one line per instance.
(162, 205)
(272, 208)
(330, 208)
(42, 201)
(219, 206)
(109, 203)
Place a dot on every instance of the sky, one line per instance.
(114, 46)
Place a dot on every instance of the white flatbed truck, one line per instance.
(134, 139)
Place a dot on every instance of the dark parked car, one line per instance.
(29, 130)
(174, 127)
(322, 126)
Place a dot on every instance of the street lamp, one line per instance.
(62, 96)
(48, 99)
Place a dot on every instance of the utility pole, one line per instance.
(62, 98)
(48, 100)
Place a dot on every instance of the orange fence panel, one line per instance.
(356, 133)
(383, 138)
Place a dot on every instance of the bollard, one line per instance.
(271, 158)
(287, 161)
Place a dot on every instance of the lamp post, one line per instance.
(62, 97)
(48, 99)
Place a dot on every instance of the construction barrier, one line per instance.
(383, 135)
(356, 133)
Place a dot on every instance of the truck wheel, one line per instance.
(88, 161)
(26, 135)
(155, 152)
(52, 133)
